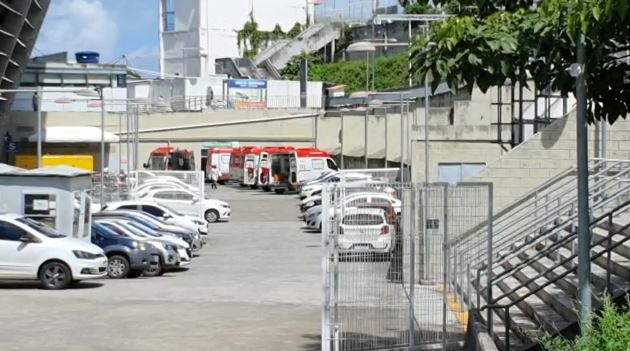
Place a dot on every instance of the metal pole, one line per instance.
(402, 141)
(137, 132)
(490, 254)
(445, 254)
(365, 137)
(409, 49)
(119, 142)
(426, 130)
(39, 127)
(584, 234)
(386, 136)
(342, 136)
(412, 272)
(127, 136)
(603, 140)
(100, 91)
(367, 71)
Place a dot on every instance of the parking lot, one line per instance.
(256, 285)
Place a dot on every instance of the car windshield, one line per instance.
(145, 222)
(140, 229)
(156, 221)
(40, 228)
(171, 210)
(362, 219)
(113, 228)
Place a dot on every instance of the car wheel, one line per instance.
(279, 191)
(266, 188)
(117, 267)
(212, 216)
(155, 270)
(55, 275)
(134, 274)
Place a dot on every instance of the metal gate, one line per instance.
(389, 282)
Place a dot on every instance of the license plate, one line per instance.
(361, 247)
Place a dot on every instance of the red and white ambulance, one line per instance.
(219, 157)
(252, 157)
(237, 164)
(264, 164)
(288, 168)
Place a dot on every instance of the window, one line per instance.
(152, 210)
(40, 228)
(225, 159)
(169, 16)
(180, 195)
(165, 195)
(357, 202)
(41, 207)
(128, 207)
(318, 164)
(331, 164)
(458, 172)
(10, 232)
(363, 219)
(381, 200)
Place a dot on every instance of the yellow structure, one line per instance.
(85, 162)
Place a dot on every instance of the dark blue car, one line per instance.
(127, 258)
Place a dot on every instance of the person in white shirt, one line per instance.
(214, 177)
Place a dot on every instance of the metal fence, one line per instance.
(388, 280)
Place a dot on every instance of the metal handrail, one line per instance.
(557, 227)
(608, 249)
(602, 183)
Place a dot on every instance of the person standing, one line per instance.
(214, 177)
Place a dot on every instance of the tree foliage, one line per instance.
(538, 44)
(391, 72)
(251, 40)
(609, 331)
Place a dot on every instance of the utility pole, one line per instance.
(584, 233)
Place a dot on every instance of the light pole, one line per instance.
(368, 48)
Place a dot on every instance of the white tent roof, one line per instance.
(74, 135)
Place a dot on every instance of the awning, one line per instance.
(74, 135)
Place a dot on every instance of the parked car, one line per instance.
(168, 214)
(127, 258)
(190, 203)
(194, 239)
(315, 188)
(169, 256)
(313, 216)
(33, 251)
(366, 230)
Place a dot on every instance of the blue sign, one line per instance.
(247, 83)
(9, 145)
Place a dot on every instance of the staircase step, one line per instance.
(598, 274)
(533, 307)
(599, 234)
(557, 311)
(521, 326)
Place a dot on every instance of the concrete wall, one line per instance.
(546, 154)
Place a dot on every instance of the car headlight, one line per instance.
(83, 255)
(310, 204)
(170, 247)
(199, 222)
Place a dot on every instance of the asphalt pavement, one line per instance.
(255, 286)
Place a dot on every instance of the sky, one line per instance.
(111, 27)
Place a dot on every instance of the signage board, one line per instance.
(247, 83)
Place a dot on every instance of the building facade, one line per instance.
(194, 33)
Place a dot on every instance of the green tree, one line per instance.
(490, 48)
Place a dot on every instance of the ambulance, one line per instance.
(288, 168)
(219, 157)
(264, 164)
(237, 164)
(251, 166)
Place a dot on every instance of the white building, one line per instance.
(193, 33)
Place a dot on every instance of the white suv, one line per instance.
(31, 250)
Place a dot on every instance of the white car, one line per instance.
(167, 180)
(143, 190)
(190, 203)
(31, 250)
(170, 215)
(315, 188)
(366, 230)
(313, 216)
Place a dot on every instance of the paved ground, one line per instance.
(256, 286)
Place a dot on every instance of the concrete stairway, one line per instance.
(532, 291)
(310, 40)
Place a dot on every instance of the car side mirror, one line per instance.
(195, 198)
(145, 165)
(166, 216)
(26, 239)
